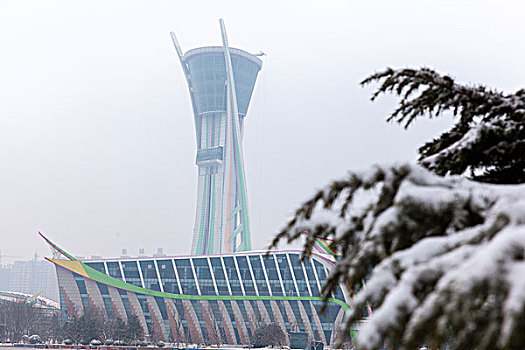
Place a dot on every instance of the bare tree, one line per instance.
(214, 330)
(134, 329)
(52, 327)
(255, 319)
(91, 325)
(180, 334)
(19, 318)
(119, 329)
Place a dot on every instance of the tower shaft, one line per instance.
(221, 81)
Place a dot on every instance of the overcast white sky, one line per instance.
(97, 140)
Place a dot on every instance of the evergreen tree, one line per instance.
(488, 139)
(443, 256)
(268, 335)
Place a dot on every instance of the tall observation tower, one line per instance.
(221, 81)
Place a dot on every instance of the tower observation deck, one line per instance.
(221, 81)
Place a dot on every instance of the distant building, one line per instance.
(5, 275)
(33, 276)
(36, 301)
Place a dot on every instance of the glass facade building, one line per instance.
(205, 299)
(220, 81)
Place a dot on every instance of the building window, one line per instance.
(220, 278)
(167, 276)
(186, 278)
(231, 272)
(149, 275)
(273, 275)
(204, 276)
(246, 277)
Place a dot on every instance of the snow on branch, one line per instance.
(488, 139)
(443, 257)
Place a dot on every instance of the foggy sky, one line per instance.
(97, 142)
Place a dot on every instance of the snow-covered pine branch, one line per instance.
(488, 140)
(443, 256)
